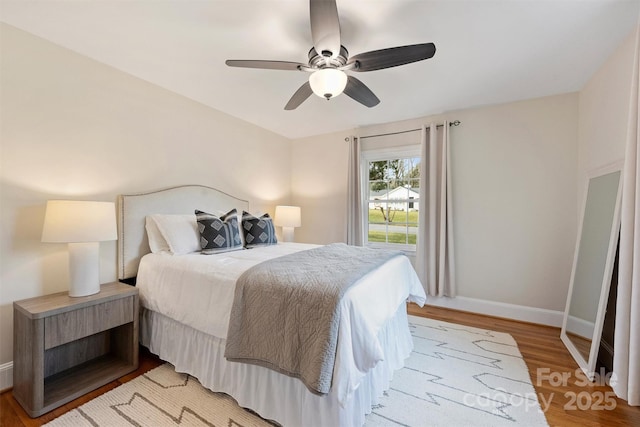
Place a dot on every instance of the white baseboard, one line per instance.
(6, 375)
(500, 309)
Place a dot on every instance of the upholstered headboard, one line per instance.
(133, 209)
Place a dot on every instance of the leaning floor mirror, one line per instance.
(592, 266)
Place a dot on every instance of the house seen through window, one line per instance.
(392, 202)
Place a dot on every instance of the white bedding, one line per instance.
(197, 290)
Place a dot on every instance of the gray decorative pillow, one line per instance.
(218, 234)
(258, 231)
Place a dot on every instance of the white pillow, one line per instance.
(180, 232)
(157, 242)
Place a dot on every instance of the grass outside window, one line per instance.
(401, 238)
(393, 235)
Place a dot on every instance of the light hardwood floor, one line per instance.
(544, 353)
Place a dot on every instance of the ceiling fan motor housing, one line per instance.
(325, 61)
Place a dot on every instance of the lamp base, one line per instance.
(84, 269)
(287, 234)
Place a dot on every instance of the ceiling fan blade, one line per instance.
(392, 57)
(325, 27)
(299, 97)
(358, 91)
(269, 65)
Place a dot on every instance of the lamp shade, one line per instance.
(75, 221)
(288, 216)
(328, 82)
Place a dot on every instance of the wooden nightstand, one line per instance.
(64, 347)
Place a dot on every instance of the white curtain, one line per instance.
(354, 203)
(434, 256)
(626, 352)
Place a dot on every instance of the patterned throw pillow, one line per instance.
(218, 234)
(258, 231)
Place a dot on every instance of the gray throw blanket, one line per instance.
(285, 312)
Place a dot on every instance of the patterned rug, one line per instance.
(456, 376)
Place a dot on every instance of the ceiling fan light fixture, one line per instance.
(328, 82)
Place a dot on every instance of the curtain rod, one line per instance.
(453, 123)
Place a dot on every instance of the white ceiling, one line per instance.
(487, 51)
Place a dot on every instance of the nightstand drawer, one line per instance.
(70, 326)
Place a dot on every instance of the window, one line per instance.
(391, 179)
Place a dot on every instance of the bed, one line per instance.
(185, 317)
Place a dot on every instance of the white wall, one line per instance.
(514, 200)
(319, 184)
(604, 113)
(75, 128)
(514, 182)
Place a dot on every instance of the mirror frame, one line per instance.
(589, 366)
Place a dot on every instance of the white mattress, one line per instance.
(197, 290)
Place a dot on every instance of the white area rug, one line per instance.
(456, 376)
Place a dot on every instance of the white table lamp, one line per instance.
(288, 217)
(82, 225)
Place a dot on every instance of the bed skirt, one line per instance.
(274, 396)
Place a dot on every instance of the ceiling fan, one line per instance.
(328, 60)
